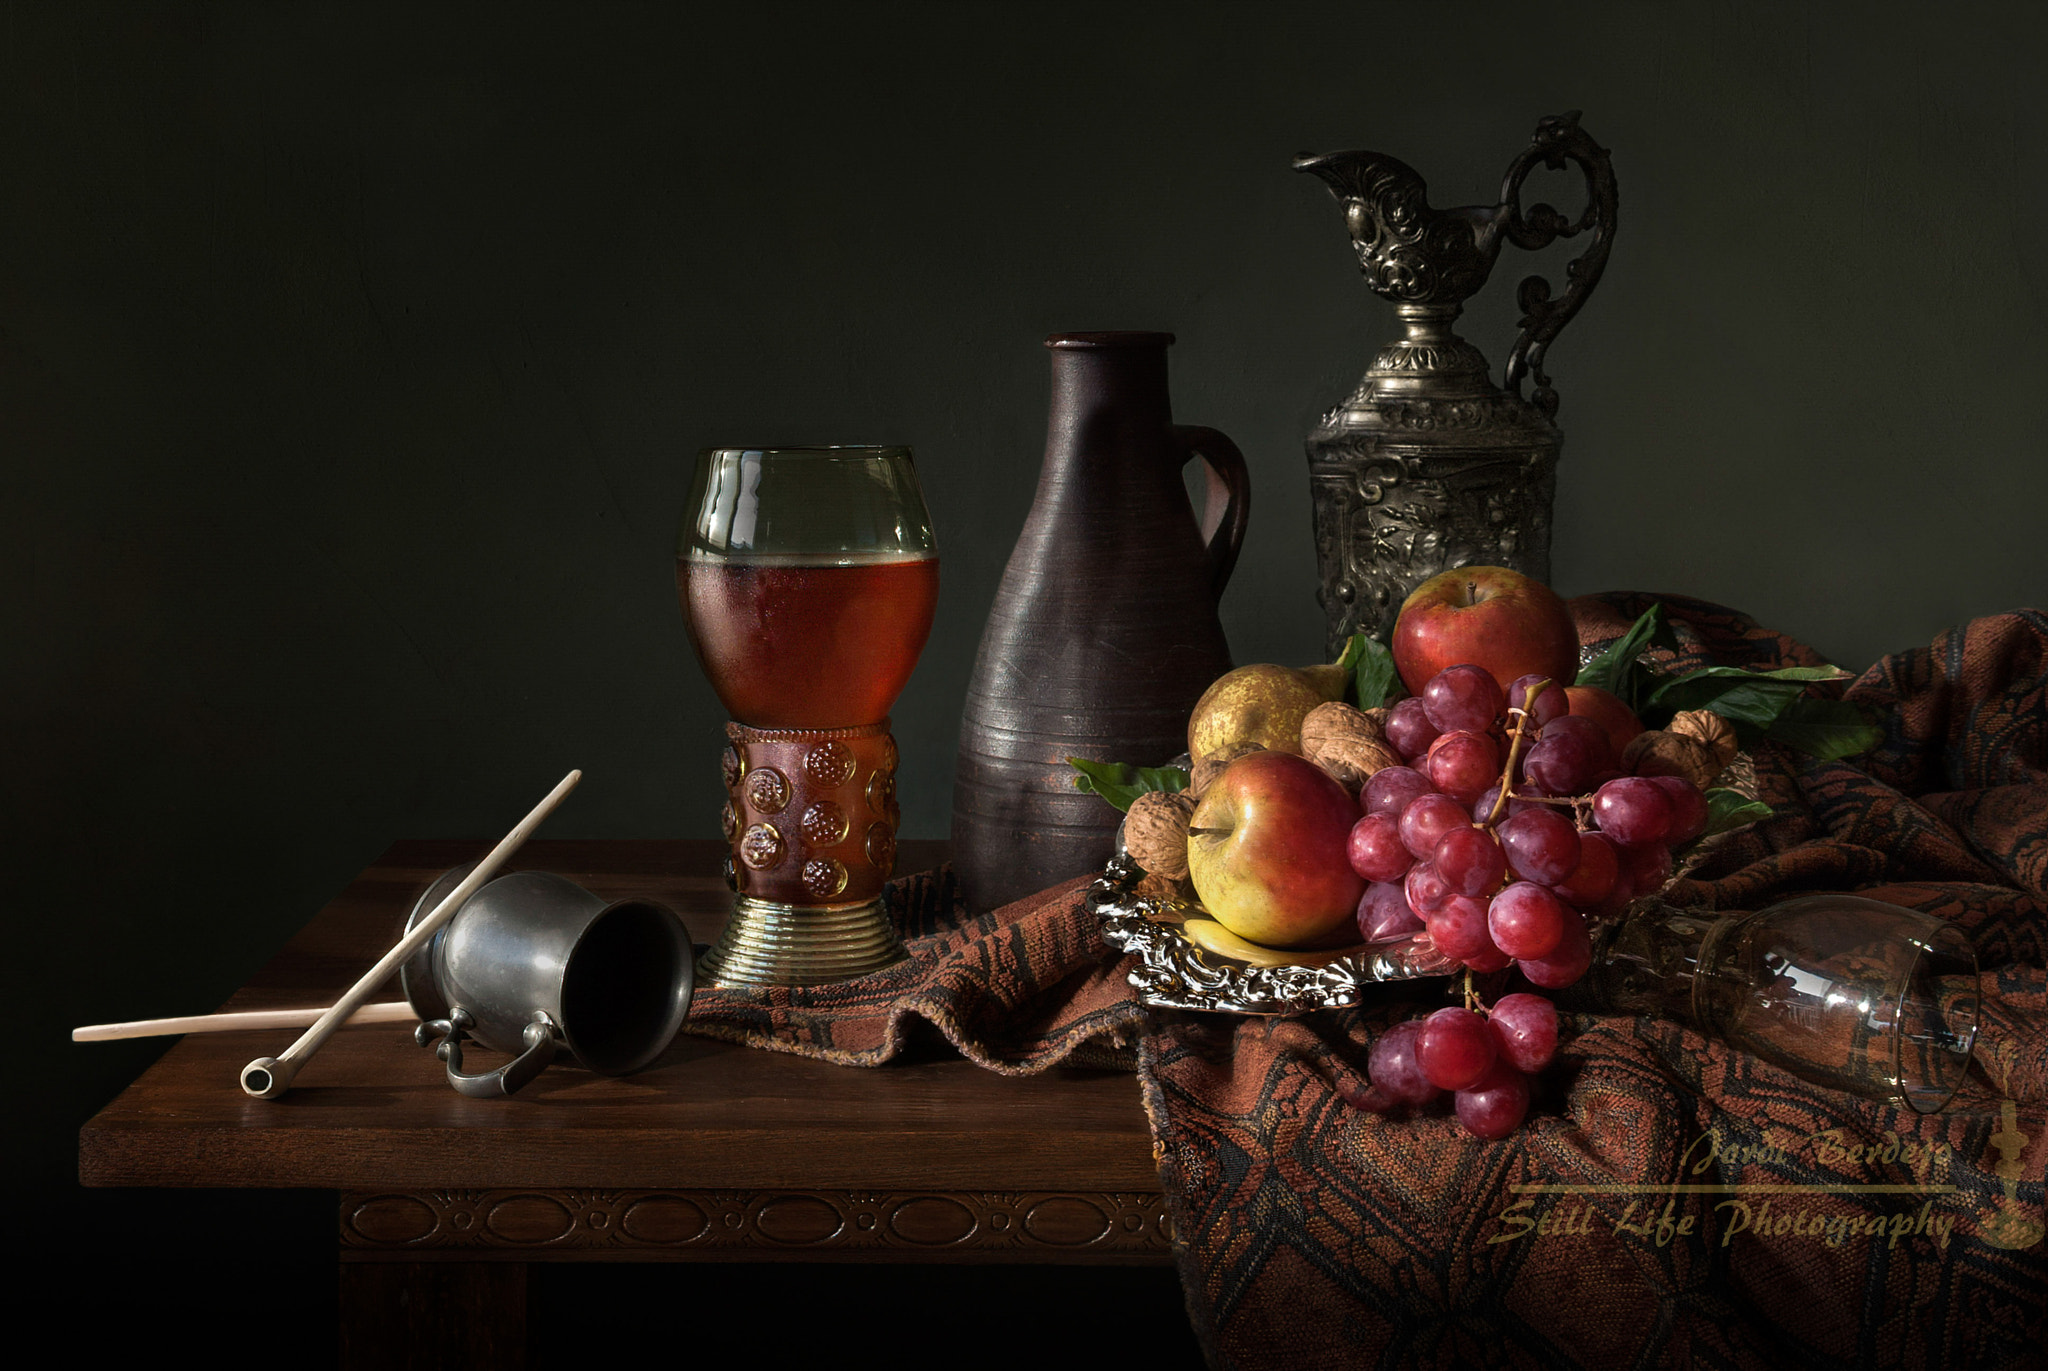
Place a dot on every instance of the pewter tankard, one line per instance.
(1428, 465)
(533, 964)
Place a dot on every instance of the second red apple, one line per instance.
(1491, 616)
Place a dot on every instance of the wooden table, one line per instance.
(716, 1153)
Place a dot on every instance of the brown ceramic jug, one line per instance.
(1104, 631)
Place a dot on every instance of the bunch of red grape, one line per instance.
(1502, 879)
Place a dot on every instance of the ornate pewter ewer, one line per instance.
(1429, 465)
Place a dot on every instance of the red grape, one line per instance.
(1541, 845)
(1592, 881)
(1599, 747)
(1391, 789)
(1458, 927)
(1633, 810)
(1561, 765)
(1376, 850)
(1462, 697)
(1622, 891)
(1527, 921)
(1393, 1068)
(1647, 867)
(1688, 808)
(1549, 705)
(1454, 1048)
(1424, 823)
(1462, 763)
(1409, 729)
(1383, 914)
(1495, 1105)
(1425, 889)
(1565, 963)
(1470, 861)
(1568, 756)
(1525, 1029)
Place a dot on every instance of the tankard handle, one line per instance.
(1226, 501)
(1558, 139)
(538, 1038)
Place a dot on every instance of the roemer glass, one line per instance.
(808, 577)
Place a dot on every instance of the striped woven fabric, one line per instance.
(1311, 1234)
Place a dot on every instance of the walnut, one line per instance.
(1378, 716)
(1153, 886)
(1346, 743)
(1659, 753)
(1210, 767)
(1337, 719)
(1156, 831)
(1710, 728)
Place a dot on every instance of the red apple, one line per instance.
(1605, 708)
(1509, 623)
(1267, 851)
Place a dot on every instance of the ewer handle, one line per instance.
(1558, 139)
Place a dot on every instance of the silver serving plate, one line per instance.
(1173, 973)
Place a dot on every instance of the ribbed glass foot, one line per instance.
(780, 944)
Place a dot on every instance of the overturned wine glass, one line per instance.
(1847, 992)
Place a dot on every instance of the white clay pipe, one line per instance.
(268, 1077)
(394, 1011)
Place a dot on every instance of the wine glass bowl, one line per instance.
(808, 578)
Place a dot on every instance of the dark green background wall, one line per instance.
(352, 357)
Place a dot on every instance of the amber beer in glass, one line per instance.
(808, 646)
(808, 577)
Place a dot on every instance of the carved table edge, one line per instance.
(535, 1224)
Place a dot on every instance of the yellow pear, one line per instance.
(1260, 705)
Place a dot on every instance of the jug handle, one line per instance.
(538, 1038)
(1226, 501)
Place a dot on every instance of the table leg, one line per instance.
(396, 1316)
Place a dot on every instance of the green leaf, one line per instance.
(1616, 670)
(1742, 698)
(1374, 681)
(1728, 809)
(1120, 783)
(1736, 693)
(1779, 673)
(1803, 675)
(1827, 729)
